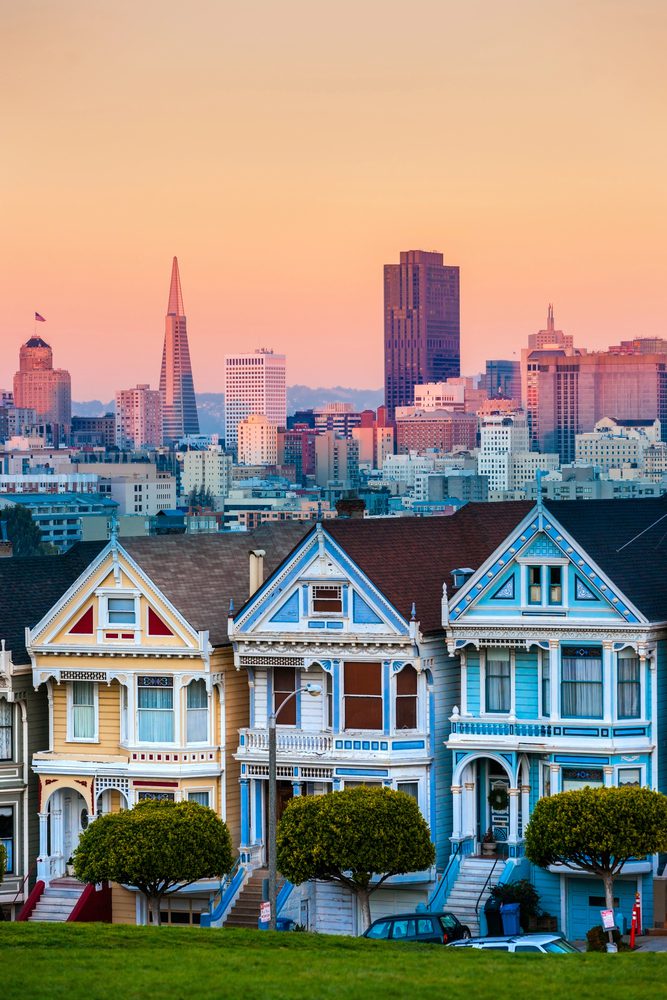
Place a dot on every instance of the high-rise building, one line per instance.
(336, 461)
(549, 340)
(46, 390)
(257, 441)
(444, 430)
(138, 418)
(210, 470)
(254, 383)
(503, 379)
(422, 325)
(573, 392)
(177, 391)
(94, 432)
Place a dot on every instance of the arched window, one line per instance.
(197, 705)
(406, 698)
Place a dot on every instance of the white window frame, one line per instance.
(207, 709)
(642, 717)
(311, 599)
(175, 688)
(545, 564)
(394, 698)
(482, 686)
(199, 791)
(103, 617)
(71, 738)
(413, 779)
(630, 766)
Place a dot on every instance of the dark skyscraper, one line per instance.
(503, 379)
(421, 325)
(177, 391)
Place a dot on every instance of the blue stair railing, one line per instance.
(225, 896)
(442, 889)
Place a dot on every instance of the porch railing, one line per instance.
(225, 896)
(287, 742)
(542, 730)
(441, 892)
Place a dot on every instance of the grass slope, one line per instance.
(91, 961)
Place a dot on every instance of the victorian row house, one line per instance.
(476, 662)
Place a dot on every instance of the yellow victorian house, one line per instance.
(144, 701)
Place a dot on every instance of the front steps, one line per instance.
(465, 892)
(58, 900)
(245, 911)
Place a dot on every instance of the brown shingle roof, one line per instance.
(30, 587)
(409, 559)
(201, 574)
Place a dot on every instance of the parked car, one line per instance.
(550, 944)
(432, 928)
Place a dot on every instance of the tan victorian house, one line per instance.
(144, 701)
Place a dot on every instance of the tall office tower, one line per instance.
(46, 390)
(138, 418)
(503, 379)
(549, 340)
(254, 383)
(574, 392)
(422, 325)
(177, 391)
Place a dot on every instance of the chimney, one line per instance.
(256, 569)
(6, 549)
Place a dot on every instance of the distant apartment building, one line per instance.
(339, 417)
(613, 444)
(375, 436)
(421, 325)
(404, 469)
(66, 518)
(574, 392)
(16, 421)
(435, 487)
(584, 483)
(209, 470)
(144, 494)
(257, 441)
(93, 432)
(336, 461)
(44, 481)
(138, 418)
(504, 457)
(47, 390)
(441, 396)
(255, 383)
(296, 447)
(503, 380)
(443, 430)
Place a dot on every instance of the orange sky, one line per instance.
(286, 150)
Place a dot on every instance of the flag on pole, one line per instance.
(39, 319)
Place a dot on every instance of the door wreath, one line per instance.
(499, 799)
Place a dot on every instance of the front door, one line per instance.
(75, 820)
(285, 792)
(499, 810)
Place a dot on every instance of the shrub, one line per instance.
(523, 892)
(597, 939)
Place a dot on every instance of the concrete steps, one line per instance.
(471, 882)
(58, 900)
(245, 911)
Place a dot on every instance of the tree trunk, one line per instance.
(365, 901)
(609, 899)
(154, 907)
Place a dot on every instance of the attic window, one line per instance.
(327, 600)
(121, 611)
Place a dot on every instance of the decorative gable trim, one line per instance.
(85, 625)
(516, 546)
(295, 569)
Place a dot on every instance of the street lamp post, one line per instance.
(314, 690)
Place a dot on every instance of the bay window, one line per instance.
(201, 798)
(284, 684)
(628, 685)
(6, 730)
(406, 698)
(363, 695)
(498, 683)
(581, 682)
(197, 712)
(546, 685)
(155, 709)
(83, 722)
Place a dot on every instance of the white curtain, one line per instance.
(197, 712)
(498, 680)
(6, 711)
(83, 710)
(629, 686)
(582, 687)
(156, 714)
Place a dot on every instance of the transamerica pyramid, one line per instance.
(177, 391)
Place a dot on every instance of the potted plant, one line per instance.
(488, 843)
(69, 867)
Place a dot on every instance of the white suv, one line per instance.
(550, 944)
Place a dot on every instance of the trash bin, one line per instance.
(284, 924)
(510, 918)
(494, 924)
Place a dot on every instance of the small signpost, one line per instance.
(609, 923)
(265, 911)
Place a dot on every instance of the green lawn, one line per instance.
(91, 961)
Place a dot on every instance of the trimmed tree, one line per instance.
(3, 861)
(24, 534)
(359, 838)
(156, 847)
(597, 830)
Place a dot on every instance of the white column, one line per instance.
(463, 702)
(514, 815)
(525, 808)
(456, 817)
(179, 712)
(608, 776)
(555, 778)
(554, 676)
(470, 809)
(42, 860)
(607, 682)
(512, 714)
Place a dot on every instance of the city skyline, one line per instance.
(288, 248)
